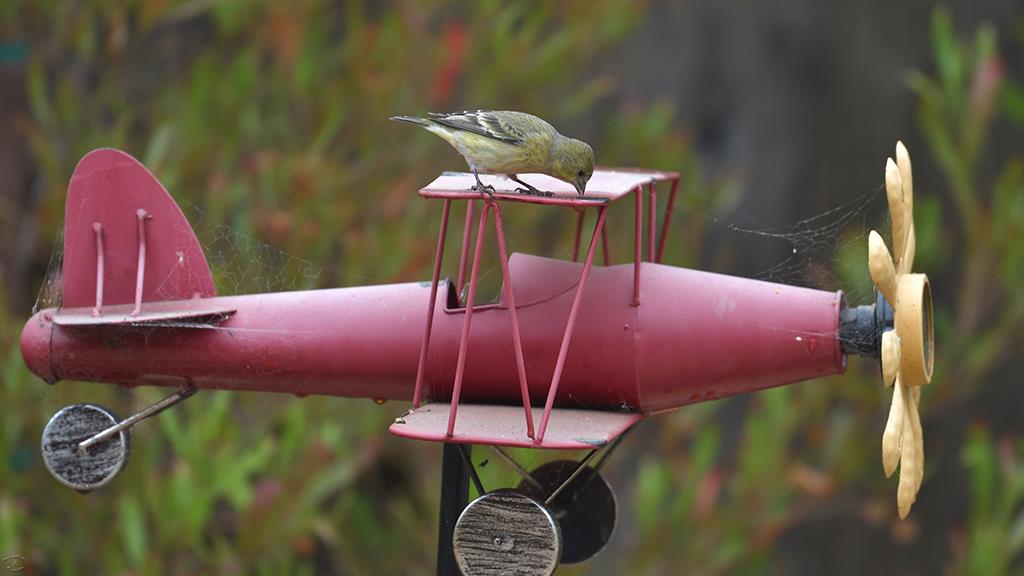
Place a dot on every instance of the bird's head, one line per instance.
(575, 163)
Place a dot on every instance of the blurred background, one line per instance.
(267, 121)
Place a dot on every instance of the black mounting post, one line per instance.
(454, 497)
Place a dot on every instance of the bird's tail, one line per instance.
(411, 120)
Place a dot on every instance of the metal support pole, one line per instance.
(454, 497)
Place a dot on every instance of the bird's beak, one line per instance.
(581, 186)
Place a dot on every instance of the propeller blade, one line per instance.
(880, 265)
(907, 261)
(909, 295)
(890, 357)
(903, 163)
(919, 434)
(911, 456)
(894, 192)
(893, 431)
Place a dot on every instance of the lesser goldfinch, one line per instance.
(511, 143)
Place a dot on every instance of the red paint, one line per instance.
(571, 429)
(570, 325)
(668, 218)
(439, 253)
(467, 321)
(694, 336)
(517, 341)
(697, 336)
(107, 187)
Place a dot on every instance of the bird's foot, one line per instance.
(482, 188)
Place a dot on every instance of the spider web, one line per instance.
(824, 246)
(826, 251)
(240, 264)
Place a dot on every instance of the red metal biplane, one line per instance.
(570, 356)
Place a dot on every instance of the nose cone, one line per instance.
(35, 345)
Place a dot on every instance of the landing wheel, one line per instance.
(89, 469)
(585, 508)
(505, 532)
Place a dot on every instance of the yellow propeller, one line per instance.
(907, 348)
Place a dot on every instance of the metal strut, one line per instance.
(140, 272)
(493, 207)
(184, 392)
(97, 228)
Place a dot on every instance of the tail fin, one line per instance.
(109, 192)
(411, 120)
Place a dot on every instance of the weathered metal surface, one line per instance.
(109, 188)
(506, 533)
(86, 469)
(697, 336)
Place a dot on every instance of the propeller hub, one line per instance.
(861, 328)
(916, 329)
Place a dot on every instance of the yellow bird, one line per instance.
(511, 143)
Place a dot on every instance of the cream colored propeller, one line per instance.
(907, 349)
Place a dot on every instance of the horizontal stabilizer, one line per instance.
(568, 429)
(195, 312)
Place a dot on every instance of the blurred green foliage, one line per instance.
(994, 539)
(271, 118)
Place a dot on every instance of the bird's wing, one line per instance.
(497, 125)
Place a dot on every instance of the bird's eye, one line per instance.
(580, 173)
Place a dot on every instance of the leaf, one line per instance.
(158, 149)
(705, 449)
(932, 252)
(948, 57)
(1007, 231)
(652, 485)
(986, 45)
(978, 456)
(133, 531)
(1013, 100)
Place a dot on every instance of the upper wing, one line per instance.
(509, 127)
